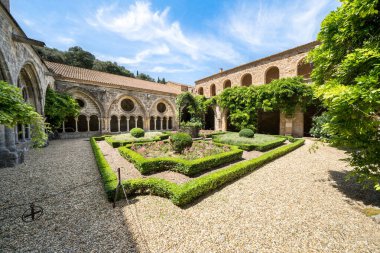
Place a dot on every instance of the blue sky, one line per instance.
(180, 40)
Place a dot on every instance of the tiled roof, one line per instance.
(88, 76)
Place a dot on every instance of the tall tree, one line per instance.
(78, 57)
(347, 72)
(111, 67)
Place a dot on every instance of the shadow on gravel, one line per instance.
(353, 190)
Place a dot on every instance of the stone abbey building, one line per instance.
(113, 104)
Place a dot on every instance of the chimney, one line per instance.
(5, 3)
(221, 70)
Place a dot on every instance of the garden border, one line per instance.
(185, 193)
(116, 144)
(186, 167)
(250, 147)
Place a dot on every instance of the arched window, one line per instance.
(164, 124)
(123, 124)
(151, 123)
(140, 122)
(272, 73)
(158, 123)
(246, 80)
(304, 69)
(70, 125)
(114, 124)
(212, 90)
(82, 123)
(170, 123)
(227, 84)
(94, 123)
(200, 91)
(132, 122)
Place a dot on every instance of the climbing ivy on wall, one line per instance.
(14, 110)
(59, 106)
(283, 94)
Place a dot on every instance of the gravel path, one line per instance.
(297, 203)
(78, 221)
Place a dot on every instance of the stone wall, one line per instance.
(17, 58)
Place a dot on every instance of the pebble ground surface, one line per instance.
(297, 203)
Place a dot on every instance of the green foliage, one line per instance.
(137, 132)
(318, 129)
(185, 193)
(248, 133)
(14, 110)
(186, 167)
(78, 57)
(180, 141)
(347, 72)
(115, 143)
(283, 94)
(59, 106)
(112, 68)
(260, 142)
(108, 175)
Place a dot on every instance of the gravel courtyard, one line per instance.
(298, 203)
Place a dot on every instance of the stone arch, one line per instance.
(272, 73)
(246, 80)
(210, 117)
(94, 123)
(115, 107)
(304, 68)
(212, 90)
(30, 83)
(227, 84)
(91, 101)
(170, 108)
(114, 123)
(200, 91)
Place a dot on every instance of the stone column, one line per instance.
(118, 124)
(155, 123)
(88, 124)
(23, 132)
(167, 123)
(76, 124)
(13, 157)
(63, 127)
(99, 125)
(127, 124)
(136, 119)
(15, 129)
(162, 123)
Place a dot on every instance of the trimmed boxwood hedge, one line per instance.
(186, 167)
(116, 144)
(259, 147)
(184, 194)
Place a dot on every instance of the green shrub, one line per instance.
(115, 143)
(317, 130)
(180, 141)
(137, 132)
(260, 142)
(152, 165)
(248, 133)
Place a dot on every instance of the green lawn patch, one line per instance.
(123, 139)
(260, 142)
(184, 194)
(180, 163)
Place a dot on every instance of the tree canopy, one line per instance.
(76, 56)
(347, 72)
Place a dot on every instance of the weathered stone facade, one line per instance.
(285, 64)
(21, 66)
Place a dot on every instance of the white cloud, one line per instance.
(67, 41)
(276, 24)
(139, 23)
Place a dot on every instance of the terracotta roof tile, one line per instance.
(70, 73)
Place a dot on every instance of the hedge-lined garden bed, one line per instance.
(124, 139)
(260, 142)
(184, 194)
(186, 167)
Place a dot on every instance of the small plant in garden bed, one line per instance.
(137, 132)
(210, 133)
(199, 149)
(260, 142)
(122, 139)
(247, 133)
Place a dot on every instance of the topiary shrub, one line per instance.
(248, 133)
(137, 132)
(180, 141)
